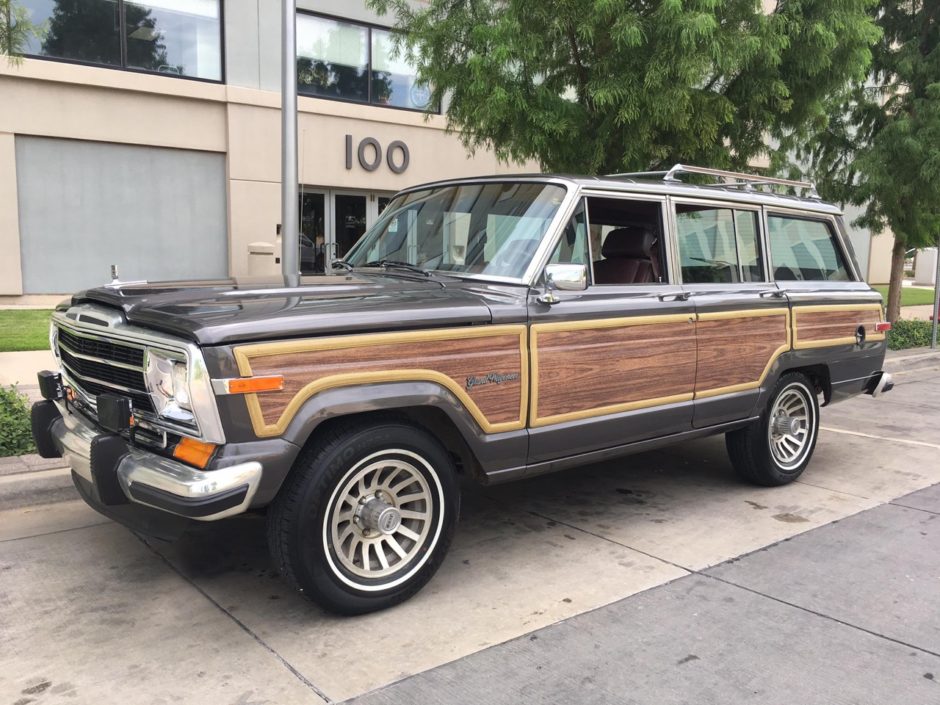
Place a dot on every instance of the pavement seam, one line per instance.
(820, 614)
(244, 627)
(830, 489)
(916, 509)
(924, 444)
(57, 531)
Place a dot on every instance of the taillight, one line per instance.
(883, 327)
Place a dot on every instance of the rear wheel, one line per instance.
(366, 517)
(777, 449)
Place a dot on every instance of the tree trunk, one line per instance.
(897, 276)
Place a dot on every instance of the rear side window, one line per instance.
(805, 250)
(718, 245)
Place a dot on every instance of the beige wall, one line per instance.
(11, 279)
(879, 261)
(255, 159)
(53, 99)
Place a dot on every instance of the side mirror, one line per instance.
(563, 277)
(566, 277)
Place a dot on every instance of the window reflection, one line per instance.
(80, 30)
(332, 58)
(333, 61)
(176, 37)
(393, 78)
(179, 37)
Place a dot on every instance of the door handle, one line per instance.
(774, 294)
(680, 296)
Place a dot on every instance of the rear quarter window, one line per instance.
(805, 249)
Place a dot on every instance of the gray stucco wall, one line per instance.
(157, 213)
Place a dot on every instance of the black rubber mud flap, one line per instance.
(107, 451)
(41, 417)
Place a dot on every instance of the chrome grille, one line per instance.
(99, 348)
(96, 365)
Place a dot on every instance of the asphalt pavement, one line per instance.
(658, 578)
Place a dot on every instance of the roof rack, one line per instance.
(725, 179)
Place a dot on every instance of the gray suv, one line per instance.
(497, 328)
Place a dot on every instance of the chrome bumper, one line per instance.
(154, 481)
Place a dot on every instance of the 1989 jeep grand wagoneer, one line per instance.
(499, 327)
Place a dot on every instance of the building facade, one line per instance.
(148, 136)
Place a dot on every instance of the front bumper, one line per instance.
(111, 473)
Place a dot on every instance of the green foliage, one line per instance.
(26, 329)
(879, 144)
(16, 437)
(909, 334)
(598, 86)
(16, 29)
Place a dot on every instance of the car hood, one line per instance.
(228, 311)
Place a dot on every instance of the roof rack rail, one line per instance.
(725, 179)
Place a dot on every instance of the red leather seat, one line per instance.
(629, 257)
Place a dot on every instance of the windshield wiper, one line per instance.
(342, 263)
(396, 264)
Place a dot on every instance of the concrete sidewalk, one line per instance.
(20, 368)
(846, 613)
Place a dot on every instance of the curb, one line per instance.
(36, 487)
(913, 359)
(28, 480)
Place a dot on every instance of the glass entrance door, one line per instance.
(314, 226)
(350, 220)
(331, 222)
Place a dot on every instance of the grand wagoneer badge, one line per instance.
(491, 378)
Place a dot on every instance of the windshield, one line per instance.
(490, 229)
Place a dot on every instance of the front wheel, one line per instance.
(366, 517)
(776, 450)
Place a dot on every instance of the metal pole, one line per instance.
(936, 298)
(290, 237)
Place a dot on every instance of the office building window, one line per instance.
(332, 58)
(348, 61)
(173, 37)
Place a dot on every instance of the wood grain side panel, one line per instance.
(814, 326)
(456, 359)
(584, 370)
(736, 351)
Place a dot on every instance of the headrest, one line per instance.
(632, 242)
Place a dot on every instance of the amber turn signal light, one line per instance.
(250, 385)
(194, 452)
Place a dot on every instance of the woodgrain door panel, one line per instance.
(740, 333)
(592, 368)
(485, 367)
(602, 358)
(736, 348)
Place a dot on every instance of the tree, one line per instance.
(15, 30)
(597, 86)
(880, 145)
